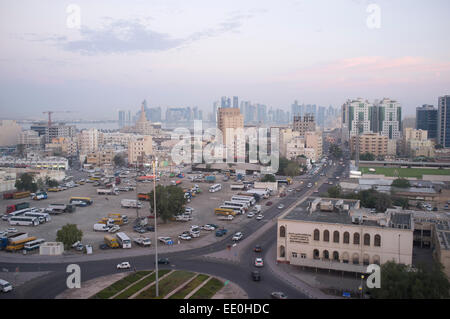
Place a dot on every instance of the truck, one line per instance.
(58, 208)
(228, 217)
(116, 215)
(210, 179)
(101, 227)
(176, 183)
(18, 195)
(144, 196)
(40, 196)
(237, 187)
(143, 241)
(130, 203)
(13, 208)
(108, 191)
(8, 195)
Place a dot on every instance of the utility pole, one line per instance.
(155, 161)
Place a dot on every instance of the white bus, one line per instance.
(43, 217)
(242, 205)
(215, 188)
(19, 212)
(34, 244)
(238, 210)
(23, 221)
(248, 199)
(124, 240)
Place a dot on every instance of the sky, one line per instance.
(176, 53)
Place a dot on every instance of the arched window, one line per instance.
(316, 234)
(336, 237)
(366, 260)
(366, 240)
(282, 252)
(326, 255)
(282, 231)
(335, 256)
(346, 238)
(376, 260)
(345, 258)
(377, 241)
(326, 235)
(355, 259)
(356, 238)
(316, 254)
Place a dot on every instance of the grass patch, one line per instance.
(166, 285)
(405, 172)
(141, 284)
(208, 290)
(183, 292)
(119, 285)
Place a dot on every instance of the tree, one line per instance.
(401, 183)
(268, 178)
(334, 192)
(26, 183)
(335, 151)
(51, 182)
(293, 169)
(367, 157)
(119, 160)
(40, 183)
(399, 281)
(170, 201)
(68, 235)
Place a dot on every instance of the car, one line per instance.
(281, 206)
(79, 203)
(278, 295)
(256, 276)
(5, 286)
(259, 262)
(269, 203)
(238, 236)
(103, 246)
(259, 217)
(251, 214)
(257, 249)
(124, 265)
(150, 228)
(290, 190)
(185, 237)
(221, 232)
(114, 228)
(5, 217)
(165, 240)
(11, 230)
(163, 261)
(140, 230)
(309, 185)
(208, 227)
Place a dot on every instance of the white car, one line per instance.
(5, 286)
(165, 240)
(185, 237)
(259, 262)
(208, 227)
(11, 230)
(124, 265)
(238, 236)
(281, 206)
(250, 215)
(114, 229)
(259, 217)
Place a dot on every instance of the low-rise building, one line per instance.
(139, 149)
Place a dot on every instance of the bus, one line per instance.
(111, 241)
(237, 210)
(224, 211)
(42, 217)
(86, 200)
(123, 240)
(215, 188)
(19, 212)
(249, 199)
(18, 244)
(241, 205)
(237, 187)
(34, 244)
(23, 221)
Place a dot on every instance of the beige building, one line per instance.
(337, 234)
(139, 148)
(416, 143)
(370, 143)
(101, 157)
(293, 145)
(9, 132)
(88, 141)
(231, 124)
(314, 140)
(30, 138)
(304, 124)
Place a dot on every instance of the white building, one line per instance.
(9, 132)
(88, 141)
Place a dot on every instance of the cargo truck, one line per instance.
(19, 195)
(210, 179)
(109, 191)
(130, 203)
(13, 208)
(144, 196)
(101, 227)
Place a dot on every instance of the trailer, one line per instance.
(130, 203)
(108, 191)
(19, 195)
(20, 206)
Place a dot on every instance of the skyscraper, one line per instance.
(444, 121)
(389, 114)
(235, 102)
(427, 120)
(122, 119)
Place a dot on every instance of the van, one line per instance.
(5, 286)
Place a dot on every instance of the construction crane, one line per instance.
(50, 115)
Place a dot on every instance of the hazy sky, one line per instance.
(192, 52)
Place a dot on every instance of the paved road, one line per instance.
(53, 284)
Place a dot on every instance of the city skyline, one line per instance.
(123, 54)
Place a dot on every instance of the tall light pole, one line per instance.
(155, 162)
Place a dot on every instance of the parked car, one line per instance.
(124, 265)
(256, 276)
(5, 286)
(251, 215)
(221, 232)
(281, 206)
(208, 227)
(259, 217)
(11, 230)
(165, 240)
(185, 237)
(278, 295)
(150, 228)
(259, 262)
(103, 246)
(269, 203)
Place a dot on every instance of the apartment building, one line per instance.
(416, 143)
(139, 149)
(304, 124)
(88, 141)
(370, 143)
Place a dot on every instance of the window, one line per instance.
(303, 256)
(282, 252)
(336, 236)
(345, 258)
(316, 234)
(366, 240)
(376, 260)
(335, 256)
(326, 235)
(355, 259)
(366, 260)
(316, 254)
(377, 241)
(326, 255)
(346, 238)
(294, 255)
(356, 238)
(282, 231)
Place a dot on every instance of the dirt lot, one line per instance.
(85, 217)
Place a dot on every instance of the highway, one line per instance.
(49, 286)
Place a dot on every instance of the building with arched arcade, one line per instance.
(338, 234)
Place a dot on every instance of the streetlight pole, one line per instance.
(155, 161)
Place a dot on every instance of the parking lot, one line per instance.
(85, 217)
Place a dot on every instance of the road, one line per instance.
(54, 283)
